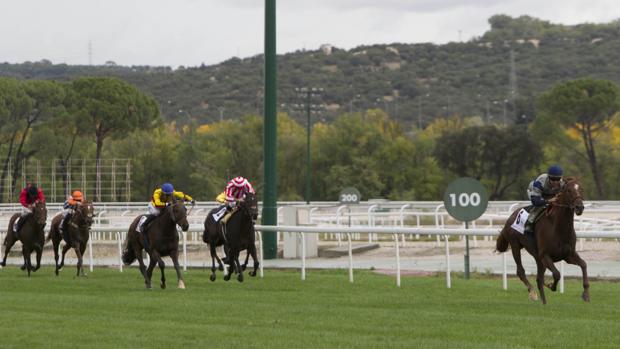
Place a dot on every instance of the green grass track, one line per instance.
(113, 310)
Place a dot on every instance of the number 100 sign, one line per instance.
(465, 199)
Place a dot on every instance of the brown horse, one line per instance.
(30, 234)
(159, 239)
(554, 240)
(239, 233)
(78, 230)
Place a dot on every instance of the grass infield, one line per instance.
(113, 310)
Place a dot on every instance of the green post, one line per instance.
(270, 213)
(308, 161)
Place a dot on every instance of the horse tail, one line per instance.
(128, 256)
(502, 243)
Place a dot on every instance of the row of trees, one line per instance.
(577, 127)
(50, 120)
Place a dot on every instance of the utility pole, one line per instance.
(307, 95)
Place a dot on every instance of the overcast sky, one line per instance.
(191, 32)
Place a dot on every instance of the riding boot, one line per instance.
(17, 226)
(143, 228)
(64, 229)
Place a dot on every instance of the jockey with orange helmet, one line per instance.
(28, 197)
(68, 208)
(162, 196)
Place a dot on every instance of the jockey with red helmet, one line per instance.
(28, 197)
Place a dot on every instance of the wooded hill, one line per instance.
(413, 83)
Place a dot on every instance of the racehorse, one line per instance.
(554, 240)
(236, 235)
(159, 239)
(30, 234)
(78, 231)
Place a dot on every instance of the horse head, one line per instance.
(250, 205)
(40, 213)
(571, 196)
(85, 211)
(179, 214)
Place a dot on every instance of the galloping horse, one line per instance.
(236, 235)
(159, 239)
(555, 240)
(78, 230)
(31, 235)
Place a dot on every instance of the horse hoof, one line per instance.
(23, 267)
(220, 267)
(212, 277)
(226, 277)
(240, 278)
(533, 296)
(585, 297)
(2, 264)
(252, 273)
(162, 285)
(181, 285)
(243, 267)
(56, 271)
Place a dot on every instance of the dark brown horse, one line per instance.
(554, 240)
(31, 236)
(159, 239)
(213, 235)
(78, 231)
(236, 235)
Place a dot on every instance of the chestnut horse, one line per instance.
(78, 231)
(554, 240)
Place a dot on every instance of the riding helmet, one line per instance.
(33, 191)
(555, 171)
(167, 188)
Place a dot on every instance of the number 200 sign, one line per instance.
(465, 199)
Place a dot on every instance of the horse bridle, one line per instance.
(570, 198)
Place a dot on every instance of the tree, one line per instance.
(15, 106)
(110, 107)
(497, 156)
(585, 106)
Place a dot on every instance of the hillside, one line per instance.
(412, 82)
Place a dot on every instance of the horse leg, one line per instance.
(238, 267)
(575, 259)
(138, 254)
(540, 280)
(162, 266)
(548, 263)
(39, 250)
(174, 255)
(149, 272)
(9, 241)
(252, 251)
(213, 256)
(26, 254)
(55, 244)
(231, 263)
(247, 258)
(65, 248)
(78, 252)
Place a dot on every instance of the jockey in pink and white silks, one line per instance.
(236, 189)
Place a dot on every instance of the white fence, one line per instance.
(394, 232)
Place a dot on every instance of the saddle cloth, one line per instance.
(519, 223)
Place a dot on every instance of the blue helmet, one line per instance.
(555, 171)
(167, 188)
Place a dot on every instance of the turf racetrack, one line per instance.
(113, 310)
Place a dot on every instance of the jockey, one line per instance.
(68, 208)
(160, 199)
(235, 191)
(29, 196)
(540, 190)
(221, 198)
